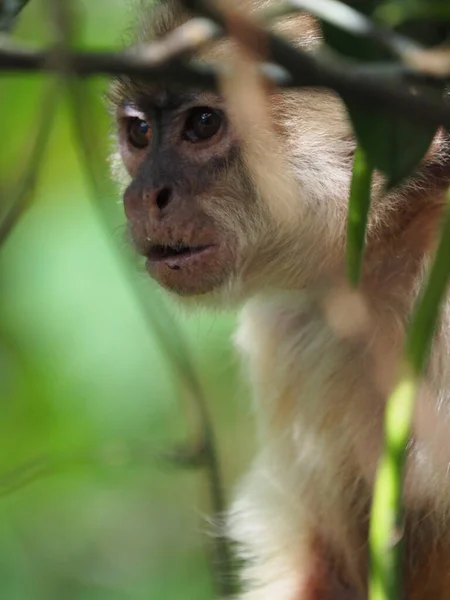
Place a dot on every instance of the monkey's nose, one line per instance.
(157, 200)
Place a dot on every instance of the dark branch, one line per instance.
(157, 61)
(377, 86)
(106, 63)
(354, 82)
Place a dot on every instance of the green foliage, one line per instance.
(392, 144)
(397, 12)
(89, 401)
(389, 143)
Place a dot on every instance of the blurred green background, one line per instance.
(87, 396)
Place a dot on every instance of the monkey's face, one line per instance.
(228, 196)
(178, 148)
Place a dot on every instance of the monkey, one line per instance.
(233, 210)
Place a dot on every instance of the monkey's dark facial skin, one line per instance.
(175, 147)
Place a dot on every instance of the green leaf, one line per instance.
(358, 211)
(388, 143)
(355, 46)
(393, 145)
(397, 12)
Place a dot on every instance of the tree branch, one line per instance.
(354, 82)
(382, 87)
(156, 61)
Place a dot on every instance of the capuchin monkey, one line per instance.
(240, 198)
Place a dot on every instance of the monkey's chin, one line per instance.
(194, 272)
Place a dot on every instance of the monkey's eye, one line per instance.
(138, 132)
(202, 124)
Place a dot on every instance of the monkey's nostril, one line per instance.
(163, 198)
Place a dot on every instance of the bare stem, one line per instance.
(386, 519)
(24, 187)
(204, 452)
(358, 213)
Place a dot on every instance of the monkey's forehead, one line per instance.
(151, 96)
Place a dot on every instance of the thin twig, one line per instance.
(24, 187)
(377, 86)
(203, 452)
(156, 61)
(172, 341)
(113, 454)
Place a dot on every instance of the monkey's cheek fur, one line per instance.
(197, 271)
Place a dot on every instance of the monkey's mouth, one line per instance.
(189, 269)
(174, 256)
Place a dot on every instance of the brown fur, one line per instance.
(320, 357)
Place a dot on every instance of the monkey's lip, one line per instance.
(175, 256)
(190, 269)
